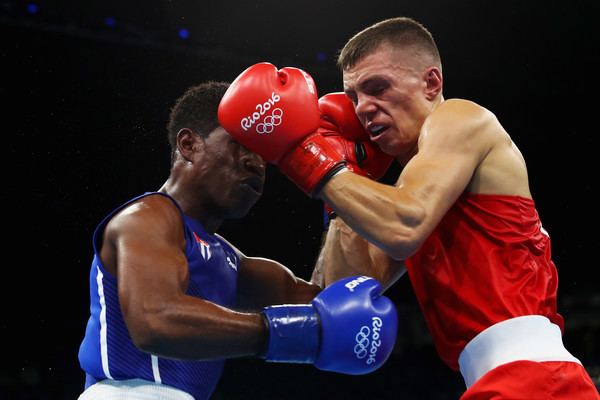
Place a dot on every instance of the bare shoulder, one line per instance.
(463, 123)
(470, 129)
(461, 105)
(460, 115)
(154, 213)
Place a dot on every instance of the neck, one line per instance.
(186, 195)
(404, 158)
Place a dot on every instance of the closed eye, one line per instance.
(374, 86)
(352, 96)
(376, 90)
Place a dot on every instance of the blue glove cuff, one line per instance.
(294, 333)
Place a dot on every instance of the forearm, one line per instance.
(191, 328)
(382, 214)
(318, 274)
(265, 282)
(345, 253)
(342, 255)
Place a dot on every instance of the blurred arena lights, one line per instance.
(110, 21)
(32, 8)
(184, 33)
(322, 56)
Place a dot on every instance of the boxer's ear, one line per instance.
(433, 79)
(188, 143)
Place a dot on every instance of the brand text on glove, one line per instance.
(261, 108)
(355, 282)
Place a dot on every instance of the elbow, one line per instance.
(401, 247)
(144, 337)
(405, 236)
(144, 330)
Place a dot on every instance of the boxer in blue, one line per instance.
(171, 299)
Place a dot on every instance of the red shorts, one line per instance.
(531, 380)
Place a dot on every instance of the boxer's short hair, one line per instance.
(196, 109)
(398, 32)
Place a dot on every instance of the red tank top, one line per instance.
(488, 260)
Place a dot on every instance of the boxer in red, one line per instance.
(460, 219)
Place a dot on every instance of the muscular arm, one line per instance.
(263, 282)
(345, 253)
(144, 244)
(397, 219)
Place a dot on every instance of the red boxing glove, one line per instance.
(275, 114)
(340, 124)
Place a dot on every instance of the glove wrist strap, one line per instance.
(311, 164)
(294, 333)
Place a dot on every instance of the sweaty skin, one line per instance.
(446, 147)
(213, 178)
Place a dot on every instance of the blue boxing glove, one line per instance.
(348, 328)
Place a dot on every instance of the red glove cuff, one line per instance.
(312, 163)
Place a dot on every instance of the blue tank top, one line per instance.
(107, 351)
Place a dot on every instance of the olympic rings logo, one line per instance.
(362, 342)
(270, 122)
(367, 345)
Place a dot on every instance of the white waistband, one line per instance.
(132, 389)
(532, 337)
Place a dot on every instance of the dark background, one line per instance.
(87, 88)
